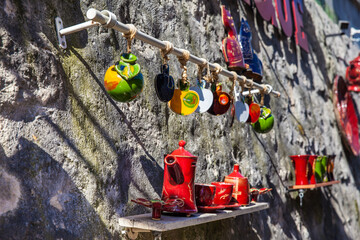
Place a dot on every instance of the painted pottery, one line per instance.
(353, 75)
(184, 101)
(254, 193)
(265, 122)
(223, 193)
(124, 81)
(233, 205)
(221, 101)
(156, 205)
(311, 169)
(241, 186)
(324, 162)
(300, 165)
(264, 190)
(330, 167)
(204, 194)
(205, 97)
(250, 57)
(230, 45)
(179, 175)
(164, 84)
(254, 110)
(241, 108)
(346, 116)
(210, 209)
(318, 170)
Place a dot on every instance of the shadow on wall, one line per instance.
(319, 216)
(51, 206)
(121, 113)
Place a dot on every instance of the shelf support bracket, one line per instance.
(132, 233)
(301, 196)
(61, 38)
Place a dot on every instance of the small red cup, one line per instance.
(223, 193)
(204, 194)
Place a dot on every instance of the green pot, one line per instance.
(124, 81)
(265, 122)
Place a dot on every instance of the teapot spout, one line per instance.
(174, 169)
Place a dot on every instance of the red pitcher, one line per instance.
(311, 168)
(241, 186)
(179, 175)
(300, 164)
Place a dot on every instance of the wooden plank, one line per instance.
(169, 222)
(311, 186)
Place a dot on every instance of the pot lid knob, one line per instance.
(182, 143)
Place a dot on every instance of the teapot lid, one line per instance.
(181, 151)
(236, 173)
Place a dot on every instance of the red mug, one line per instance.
(204, 194)
(223, 193)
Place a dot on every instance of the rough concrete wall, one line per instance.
(71, 159)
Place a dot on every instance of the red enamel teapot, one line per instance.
(241, 186)
(179, 176)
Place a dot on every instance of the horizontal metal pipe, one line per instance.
(78, 27)
(104, 19)
(245, 93)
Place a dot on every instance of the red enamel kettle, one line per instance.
(179, 176)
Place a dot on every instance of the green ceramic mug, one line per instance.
(318, 169)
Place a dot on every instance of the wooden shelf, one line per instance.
(169, 222)
(310, 186)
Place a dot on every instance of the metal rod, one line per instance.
(78, 27)
(108, 19)
(245, 93)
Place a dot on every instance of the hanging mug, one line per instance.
(241, 108)
(164, 84)
(254, 110)
(221, 101)
(184, 101)
(265, 122)
(205, 96)
(123, 81)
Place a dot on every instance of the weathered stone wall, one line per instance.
(71, 159)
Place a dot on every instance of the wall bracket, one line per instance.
(61, 39)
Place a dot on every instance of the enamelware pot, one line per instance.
(255, 65)
(230, 45)
(241, 186)
(204, 194)
(265, 122)
(184, 101)
(353, 75)
(179, 175)
(164, 84)
(156, 205)
(205, 97)
(241, 108)
(124, 81)
(221, 101)
(223, 193)
(254, 110)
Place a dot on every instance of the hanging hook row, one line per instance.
(108, 20)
